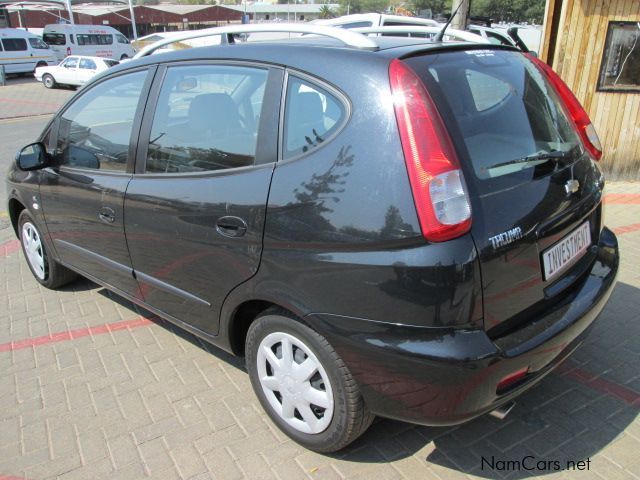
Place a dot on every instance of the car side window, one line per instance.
(71, 62)
(95, 130)
(14, 44)
(122, 39)
(312, 114)
(87, 63)
(206, 119)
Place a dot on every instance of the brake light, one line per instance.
(578, 115)
(437, 184)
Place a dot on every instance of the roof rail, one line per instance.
(460, 35)
(347, 37)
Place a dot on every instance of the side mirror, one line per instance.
(32, 157)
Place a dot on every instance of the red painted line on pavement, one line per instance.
(28, 102)
(568, 370)
(5, 477)
(6, 249)
(622, 198)
(73, 334)
(634, 227)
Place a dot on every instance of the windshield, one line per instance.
(37, 43)
(498, 103)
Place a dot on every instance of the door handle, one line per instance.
(231, 226)
(107, 215)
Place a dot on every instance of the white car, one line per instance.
(73, 70)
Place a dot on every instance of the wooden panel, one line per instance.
(578, 53)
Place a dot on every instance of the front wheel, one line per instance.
(124, 56)
(48, 81)
(45, 269)
(303, 385)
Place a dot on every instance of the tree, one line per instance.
(326, 12)
(436, 6)
(363, 6)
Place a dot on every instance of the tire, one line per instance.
(40, 64)
(44, 268)
(48, 81)
(124, 56)
(339, 417)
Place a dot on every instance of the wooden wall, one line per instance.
(579, 44)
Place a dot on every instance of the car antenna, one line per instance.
(440, 34)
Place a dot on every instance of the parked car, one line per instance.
(92, 40)
(381, 225)
(361, 20)
(22, 51)
(74, 70)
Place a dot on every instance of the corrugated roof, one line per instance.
(179, 9)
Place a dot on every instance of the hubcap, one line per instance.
(33, 249)
(295, 383)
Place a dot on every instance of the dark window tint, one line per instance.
(14, 44)
(87, 64)
(354, 25)
(206, 119)
(95, 130)
(110, 63)
(312, 114)
(502, 107)
(94, 39)
(54, 38)
(37, 43)
(620, 69)
(122, 39)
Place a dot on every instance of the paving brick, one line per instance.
(221, 462)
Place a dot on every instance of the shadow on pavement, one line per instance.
(559, 420)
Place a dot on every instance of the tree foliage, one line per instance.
(363, 6)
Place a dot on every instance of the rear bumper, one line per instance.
(437, 376)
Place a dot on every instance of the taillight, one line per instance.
(437, 184)
(578, 115)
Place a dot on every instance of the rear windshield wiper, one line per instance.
(538, 157)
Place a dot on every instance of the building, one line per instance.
(294, 12)
(595, 47)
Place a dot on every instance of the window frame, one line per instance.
(266, 144)
(135, 128)
(338, 94)
(603, 58)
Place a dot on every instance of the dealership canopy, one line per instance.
(51, 4)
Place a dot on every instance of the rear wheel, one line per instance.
(124, 56)
(48, 81)
(303, 385)
(45, 269)
(40, 64)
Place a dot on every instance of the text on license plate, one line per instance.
(562, 253)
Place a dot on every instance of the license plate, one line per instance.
(566, 250)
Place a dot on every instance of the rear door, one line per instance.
(86, 69)
(195, 209)
(501, 111)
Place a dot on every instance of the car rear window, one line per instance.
(500, 111)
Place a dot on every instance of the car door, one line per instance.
(67, 73)
(82, 193)
(195, 209)
(86, 69)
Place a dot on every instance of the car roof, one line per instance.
(307, 53)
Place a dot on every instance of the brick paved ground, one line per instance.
(25, 96)
(89, 388)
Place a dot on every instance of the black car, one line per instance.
(383, 226)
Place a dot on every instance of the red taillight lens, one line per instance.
(578, 115)
(437, 184)
(512, 379)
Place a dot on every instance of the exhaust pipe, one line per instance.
(503, 410)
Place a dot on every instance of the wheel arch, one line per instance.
(236, 325)
(15, 209)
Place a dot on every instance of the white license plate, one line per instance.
(566, 250)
